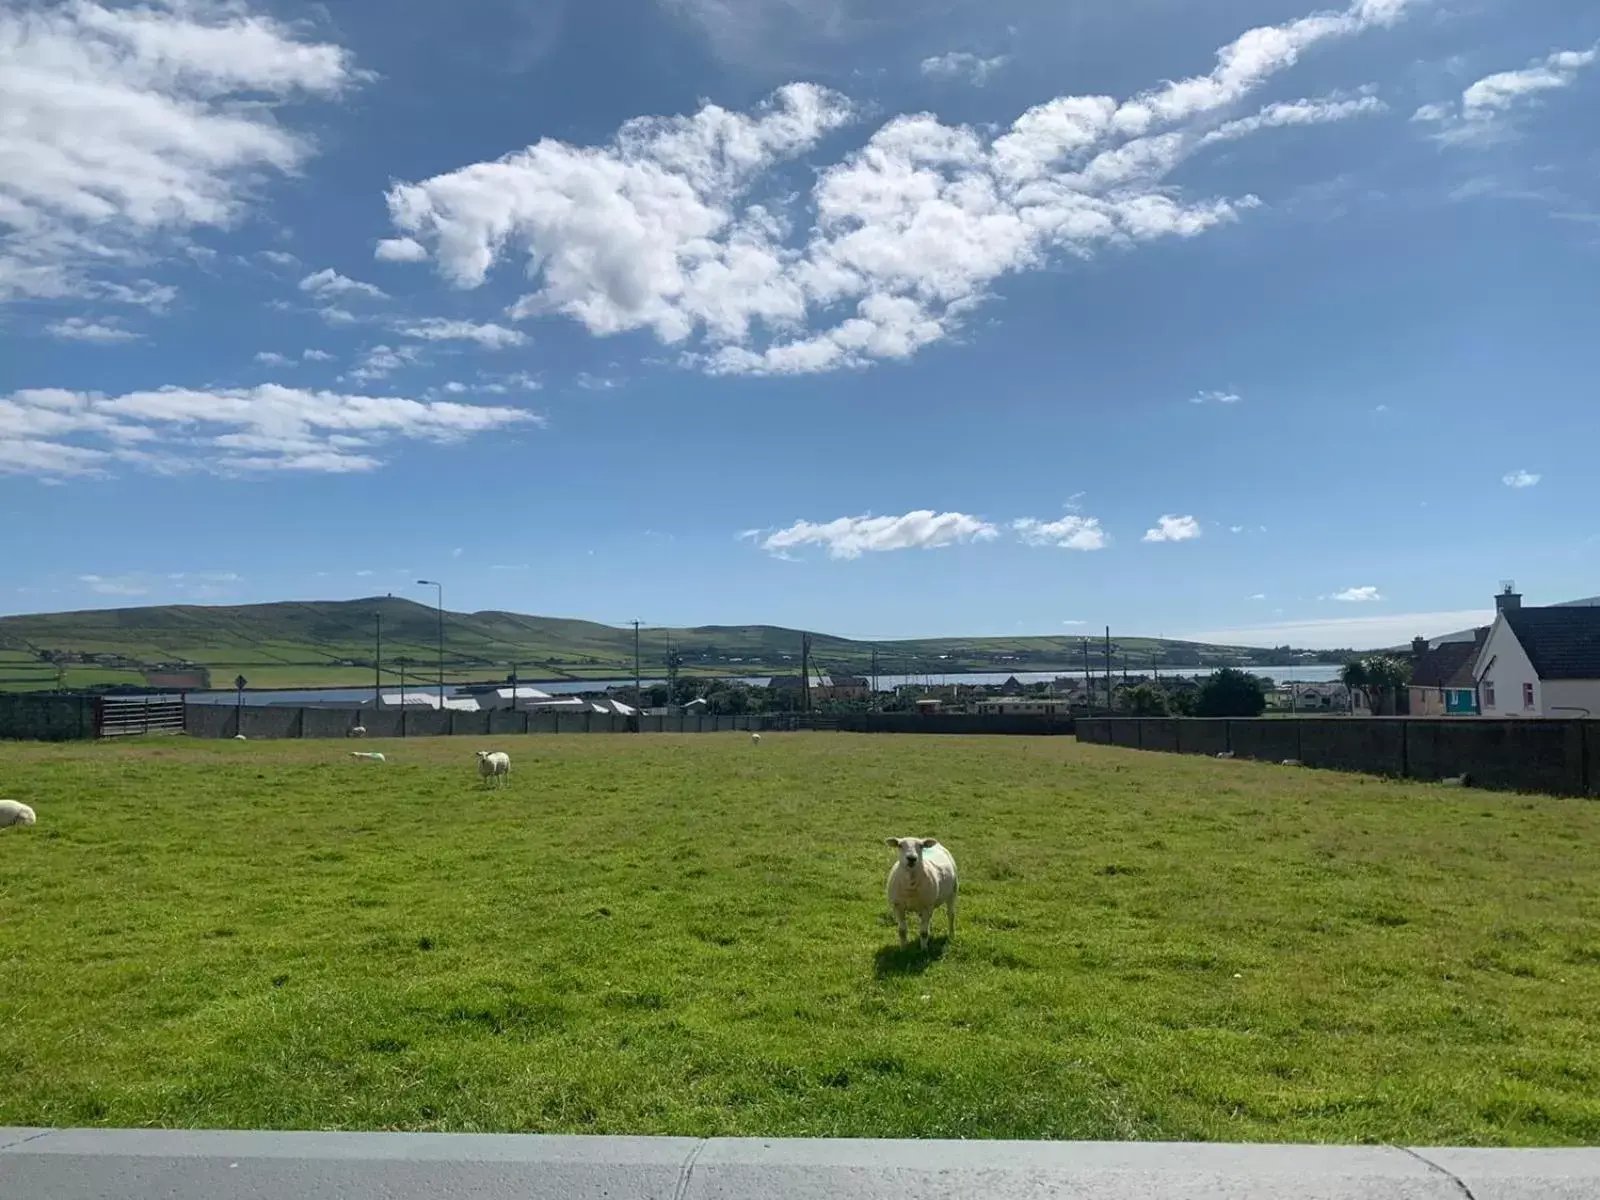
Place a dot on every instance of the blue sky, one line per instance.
(1250, 319)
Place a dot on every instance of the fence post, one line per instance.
(527, 722)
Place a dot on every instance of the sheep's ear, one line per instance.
(891, 842)
(929, 843)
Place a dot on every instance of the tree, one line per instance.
(1146, 701)
(1183, 701)
(1380, 677)
(1231, 693)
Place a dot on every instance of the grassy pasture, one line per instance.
(687, 935)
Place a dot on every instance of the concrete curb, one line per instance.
(134, 1164)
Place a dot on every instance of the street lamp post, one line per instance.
(435, 584)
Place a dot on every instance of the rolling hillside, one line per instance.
(332, 643)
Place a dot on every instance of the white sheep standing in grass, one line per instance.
(495, 765)
(923, 877)
(755, 739)
(14, 812)
(358, 731)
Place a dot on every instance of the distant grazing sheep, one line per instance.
(14, 812)
(359, 731)
(239, 737)
(755, 738)
(494, 766)
(923, 877)
(369, 755)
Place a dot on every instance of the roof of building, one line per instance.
(1449, 664)
(1562, 643)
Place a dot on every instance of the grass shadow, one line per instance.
(908, 960)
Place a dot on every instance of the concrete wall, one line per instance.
(1268, 741)
(1515, 754)
(1011, 724)
(46, 718)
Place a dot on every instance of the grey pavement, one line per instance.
(146, 1164)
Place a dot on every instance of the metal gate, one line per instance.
(121, 716)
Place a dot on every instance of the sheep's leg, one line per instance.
(900, 916)
(925, 926)
(950, 908)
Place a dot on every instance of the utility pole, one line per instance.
(874, 679)
(1111, 707)
(433, 584)
(805, 672)
(638, 688)
(1088, 679)
(377, 661)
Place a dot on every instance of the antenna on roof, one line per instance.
(1508, 587)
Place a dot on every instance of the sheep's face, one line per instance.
(483, 755)
(910, 849)
(25, 816)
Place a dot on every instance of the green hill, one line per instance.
(333, 643)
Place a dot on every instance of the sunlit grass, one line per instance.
(687, 935)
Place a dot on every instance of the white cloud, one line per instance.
(680, 225)
(490, 337)
(1259, 596)
(1359, 595)
(316, 356)
(1216, 398)
(116, 586)
(124, 123)
(596, 383)
(192, 586)
(960, 66)
(1235, 528)
(851, 537)
(1069, 533)
(279, 258)
(81, 329)
(328, 283)
(51, 432)
(1486, 108)
(402, 250)
(1173, 529)
(382, 361)
(1359, 633)
(272, 358)
(1323, 111)
(1521, 479)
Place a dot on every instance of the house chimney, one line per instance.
(1509, 599)
(1419, 647)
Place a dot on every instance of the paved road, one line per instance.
(110, 1164)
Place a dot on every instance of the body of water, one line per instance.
(1311, 673)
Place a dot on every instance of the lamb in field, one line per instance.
(239, 737)
(14, 812)
(496, 766)
(358, 731)
(369, 755)
(923, 877)
(755, 739)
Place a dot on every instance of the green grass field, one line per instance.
(687, 935)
